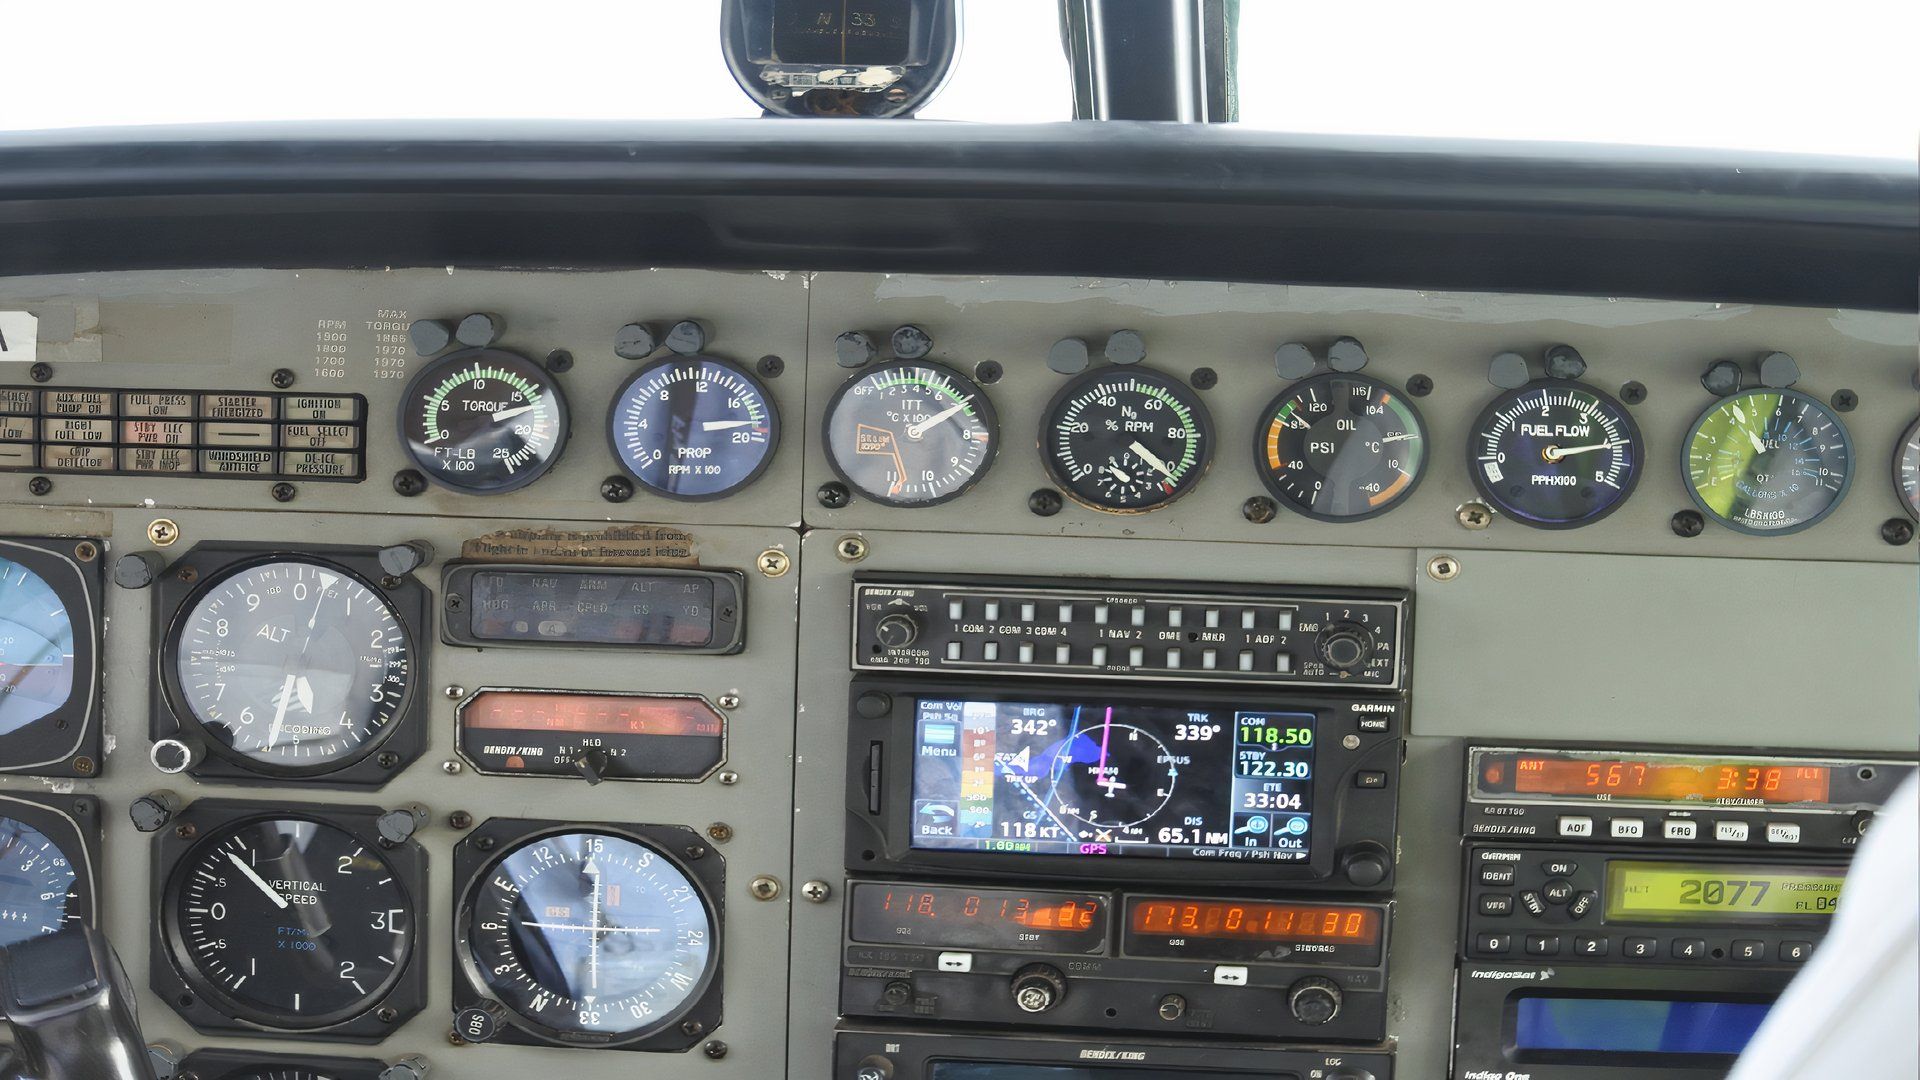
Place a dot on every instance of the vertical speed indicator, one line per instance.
(1126, 440)
(1555, 454)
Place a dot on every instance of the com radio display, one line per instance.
(1104, 778)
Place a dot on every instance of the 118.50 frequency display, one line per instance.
(1100, 778)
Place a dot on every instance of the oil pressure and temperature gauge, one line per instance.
(1340, 447)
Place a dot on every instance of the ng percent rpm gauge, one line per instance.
(693, 427)
(1768, 462)
(1126, 440)
(1555, 454)
(484, 421)
(1340, 447)
(910, 434)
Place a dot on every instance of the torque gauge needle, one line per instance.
(508, 414)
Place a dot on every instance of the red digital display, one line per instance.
(952, 917)
(1253, 922)
(589, 714)
(1658, 781)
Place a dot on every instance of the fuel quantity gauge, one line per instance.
(484, 421)
(1340, 447)
(910, 434)
(1555, 454)
(1768, 462)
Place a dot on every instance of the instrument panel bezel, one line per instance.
(78, 584)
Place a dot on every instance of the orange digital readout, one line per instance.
(590, 714)
(1248, 921)
(1705, 781)
(946, 916)
(1034, 912)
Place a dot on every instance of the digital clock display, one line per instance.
(943, 916)
(1721, 892)
(1661, 779)
(1252, 931)
(1096, 778)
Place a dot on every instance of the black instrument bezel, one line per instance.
(1362, 819)
(983, 410)
(66, 741)
(1637, 441)
(209, 565)
(490, 842)
(1202, 423)
(1293, 390)
(72, 822)
(171, 975)
(739, 371)
(243, 1064)
(729, 606)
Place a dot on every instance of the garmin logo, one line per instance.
(1368, 706)
(1113, 1055)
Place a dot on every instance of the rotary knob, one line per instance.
(896, 631)
(1038, 987)
(1345, 646)
(1314, 1000)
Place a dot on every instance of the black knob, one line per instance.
(897, 631)
(897, 993)
(591, 765)
(1345, 646)
(1314, 1000)
(398, 825)
(1367, 867)
(1038, 987)
(150, 813)
(479, 1023)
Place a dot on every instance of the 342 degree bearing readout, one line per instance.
(1099, 778)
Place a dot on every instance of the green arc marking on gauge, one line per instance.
(528, 391)
(1721, 430)
(1187, 451)
(899, 377)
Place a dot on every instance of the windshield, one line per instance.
(1835, 78)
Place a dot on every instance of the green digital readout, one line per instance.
(1721, 892)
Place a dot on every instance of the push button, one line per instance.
(1639, 948)
(1559, 868)
(1732, 832)
(1680, 830)
(1589, 946)
(1494, 943)
(1535, 906)
(1369, 778)
(1781, 832)
(1557, 891)
(1795, 952)
(1628, 828)
(1496, 875)
(1496, 904)
(1576, 826)
(956, 961)
(1227, 975)
(1582, 904)
(1748, 949)
(1543, 944)
(1687, 948)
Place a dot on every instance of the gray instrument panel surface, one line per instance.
(1646, 663)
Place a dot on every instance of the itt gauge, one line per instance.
(1555, 454)
(484, 421)
(910, 434)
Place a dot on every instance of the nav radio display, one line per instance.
(1101, 778)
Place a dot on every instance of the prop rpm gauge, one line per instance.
(288, 921)
(693, 428)
(1340, 447)
(910, 434)
(1906, 470)
(1555, 454)
(290, 665)
(1126, 440)
(484, 421)
(589, 937)
(1768, 462)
